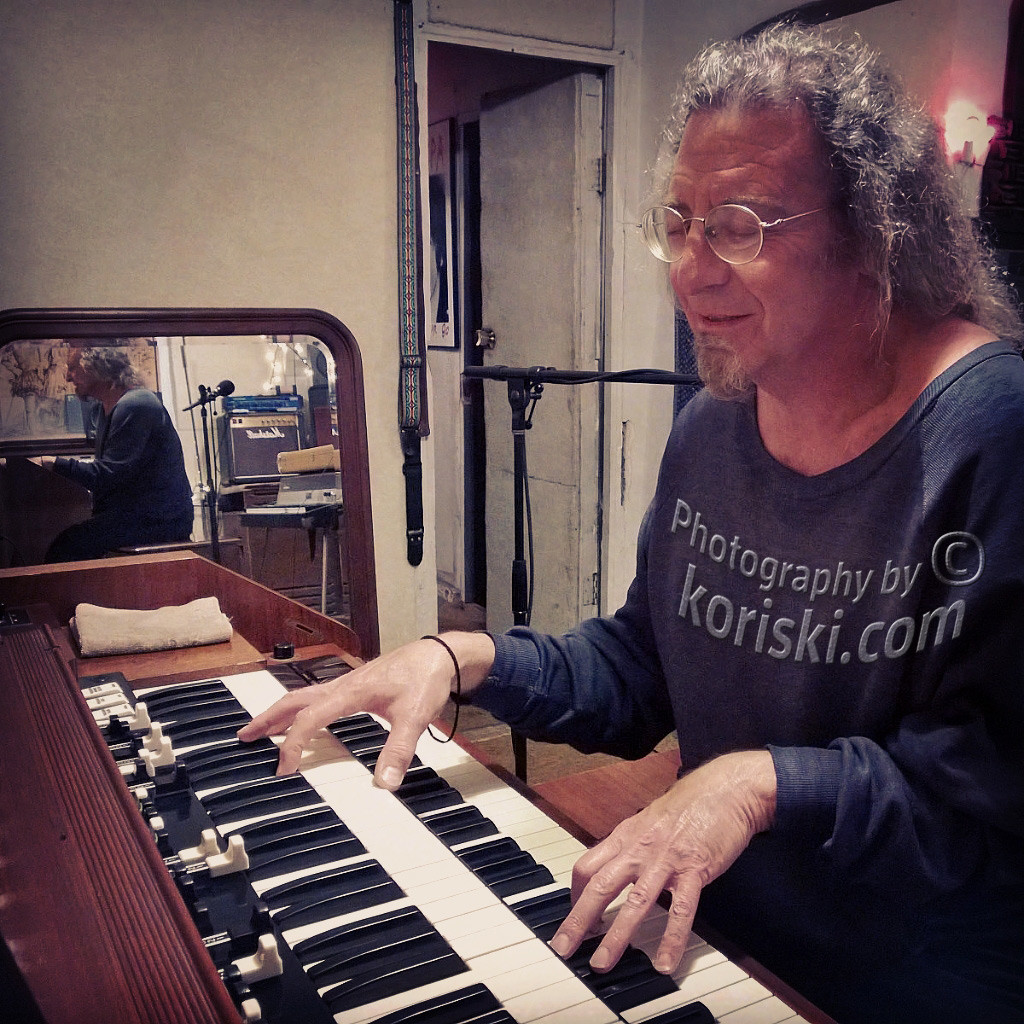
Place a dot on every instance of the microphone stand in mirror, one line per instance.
(206, 396)
(525, 386)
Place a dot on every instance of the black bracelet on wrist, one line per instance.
(456, 696)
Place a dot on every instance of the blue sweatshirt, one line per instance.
(866, 625)
(138, 469)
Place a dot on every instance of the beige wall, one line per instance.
(242, 152)
(215, 153)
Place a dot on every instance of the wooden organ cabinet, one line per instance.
(112, 911)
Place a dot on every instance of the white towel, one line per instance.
(120, 631)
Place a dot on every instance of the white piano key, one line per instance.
(771, 1010)
(535, 985)
(736, 997)
(255, 691)
(571, 1000)
(551, 845)
(594, 1012)
(482, 931)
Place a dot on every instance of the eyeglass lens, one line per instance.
(733, 233)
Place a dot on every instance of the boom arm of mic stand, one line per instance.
(550, 375)
(524, 385)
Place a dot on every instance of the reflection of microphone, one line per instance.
(225, 387)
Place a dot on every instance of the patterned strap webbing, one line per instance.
(412, 410)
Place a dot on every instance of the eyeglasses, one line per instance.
(734, 233)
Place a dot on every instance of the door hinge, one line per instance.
(600, 172)
(594, 589)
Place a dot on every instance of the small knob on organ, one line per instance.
(139, 718)
(264, 963)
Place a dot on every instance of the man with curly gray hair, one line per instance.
(829, 596)
(140, 491)
(895, 202)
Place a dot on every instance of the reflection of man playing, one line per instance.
(140, 492)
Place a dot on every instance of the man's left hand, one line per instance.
(681, 842)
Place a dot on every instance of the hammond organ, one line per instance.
(155, 870)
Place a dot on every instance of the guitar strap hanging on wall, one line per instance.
(412, 387)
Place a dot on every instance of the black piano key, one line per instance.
(230, 771)
(169, 696)
(348, 877)
(212, 758)
(519, 875)
(378, 986)
(197, 707)
(366, 743)
(356, 728)
(321, 846)
(419, 778)
(329, 894)
(261, 797)
(366, 933)
(366, 751)
(489, 852)
(424, 803)
(352, 723)
(424, 790)
(632, 982)
(543, 914)
(691, 1013)
(345, 974)
(206, 730)
(473, 1005)
(504, 868)
(460, 825)
(305, 838)
(217, 748)
(261, 832)
(321, 670)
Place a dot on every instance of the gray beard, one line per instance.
(721, 372)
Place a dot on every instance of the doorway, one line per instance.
(527, 179)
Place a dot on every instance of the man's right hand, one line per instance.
(407, 687)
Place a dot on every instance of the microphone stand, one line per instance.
(525, 385)
(206, 396)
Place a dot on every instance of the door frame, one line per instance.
(623, 176)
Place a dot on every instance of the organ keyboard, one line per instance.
(430, 905)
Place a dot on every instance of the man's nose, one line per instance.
(699, 266)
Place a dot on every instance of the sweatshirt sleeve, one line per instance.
(123, 456)
(598, 687)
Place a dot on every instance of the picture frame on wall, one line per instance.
(440, 277)
(37, 402)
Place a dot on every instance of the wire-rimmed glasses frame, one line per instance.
(733, 232)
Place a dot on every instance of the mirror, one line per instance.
(275, 381)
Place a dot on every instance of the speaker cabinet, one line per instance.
(253, 443)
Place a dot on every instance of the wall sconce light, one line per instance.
(969, 133)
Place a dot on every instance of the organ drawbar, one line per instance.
(323, 898)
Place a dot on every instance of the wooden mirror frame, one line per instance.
(357, 538)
